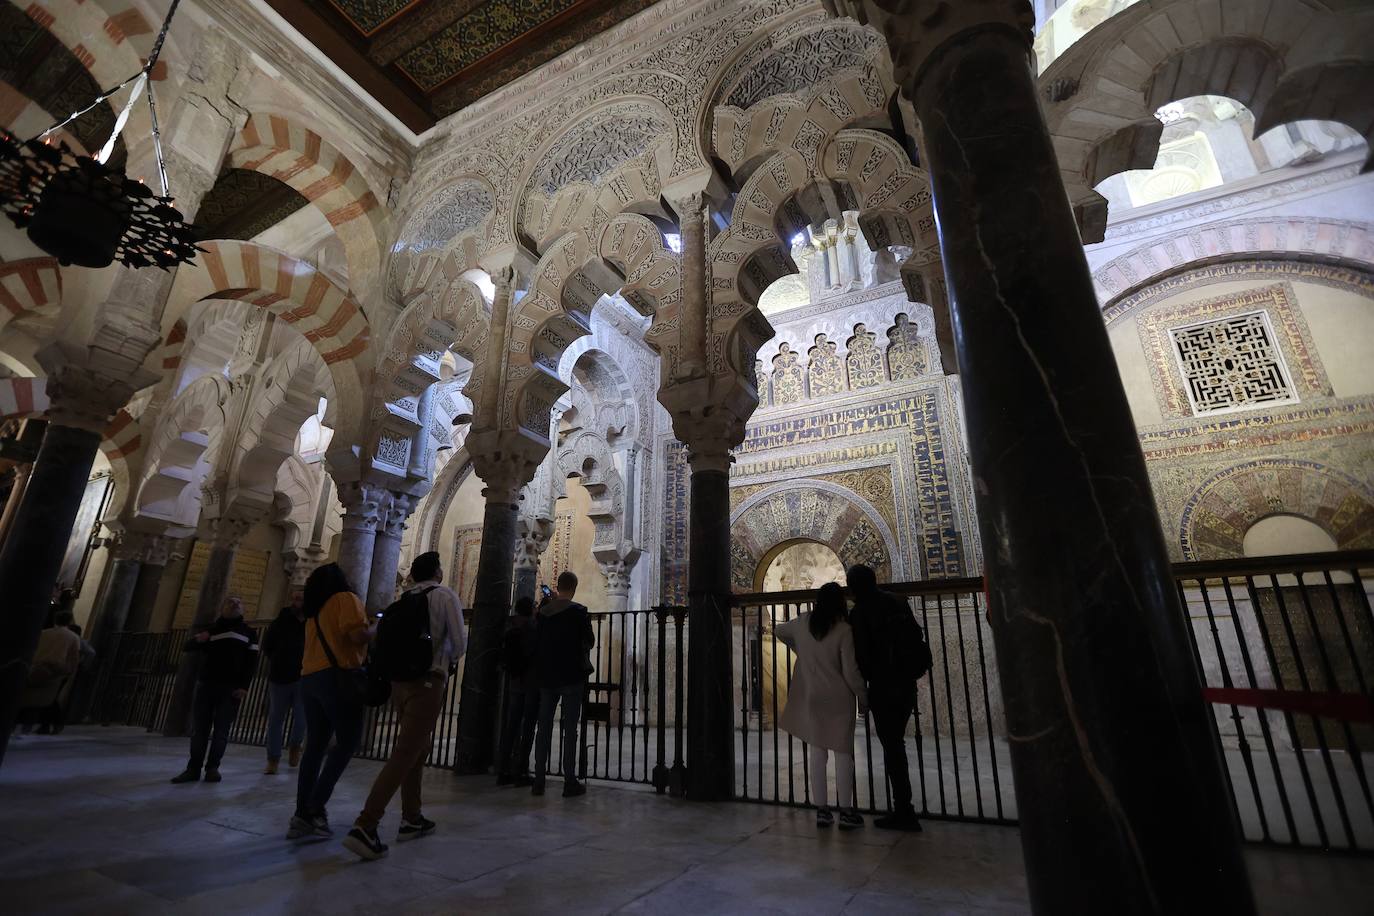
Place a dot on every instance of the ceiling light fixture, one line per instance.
(83, 211)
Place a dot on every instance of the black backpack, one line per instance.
(906, 643)
(404, 649)
(515, 654)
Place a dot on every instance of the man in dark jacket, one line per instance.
(284, 645)
(877, 620)
(563, 639)
(231, 655)
(522, 696)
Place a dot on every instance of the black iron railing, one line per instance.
(1285, 646)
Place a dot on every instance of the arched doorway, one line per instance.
(798, 564)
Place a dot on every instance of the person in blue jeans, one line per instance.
(563, 639)
(284, 645)
(336, 637)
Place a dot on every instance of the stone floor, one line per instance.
(89, 824)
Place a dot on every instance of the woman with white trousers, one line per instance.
(826, 685)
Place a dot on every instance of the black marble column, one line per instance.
(213, 587)
(480, 699)
(144, 599)
(114, 606)
(1123, 804)
(710, 710)
(31, 560)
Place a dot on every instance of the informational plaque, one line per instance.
(250, 568)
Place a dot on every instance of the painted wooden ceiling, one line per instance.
(425, 59)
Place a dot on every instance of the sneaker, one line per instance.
(413, 830)
(537, 788)
(308, 826)
(572, 788)
(271, 768)
(899, 820)
(186, 776)
(824, 817)
(851, 820)
(365, 844)
(294, 755)
(212, 775)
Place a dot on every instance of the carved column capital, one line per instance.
(505, 460)
(916, 30)
(156, 550)
(617, 573)
(532, 536)
(86, 390)
(392, 521)
(709, 417)
(362, 504)
(227, 532)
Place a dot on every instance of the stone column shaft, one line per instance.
(144, 599)
(21, 482)
(386, 552)
(362, 506)
(214, 587)
(31, 561)
(1123, 804)
(710, 710)
(478, 704)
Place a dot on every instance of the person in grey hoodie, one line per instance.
(563, 639)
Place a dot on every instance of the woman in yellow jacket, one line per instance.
(336, 638)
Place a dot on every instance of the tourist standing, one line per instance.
(336, 638)
(55, 663)
(284, 646)
(230, 647)
(892, 655)
(821, 698)
(563, 639)
(522, 696)
(419, 641)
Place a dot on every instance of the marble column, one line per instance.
(21, 482)
(1123, 803)
(386, 553)
(118, 594)
(710, 710)
(83, 400)
(214, 587)
(151, 568)
(362, 504)
(479, 702)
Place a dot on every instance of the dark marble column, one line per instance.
(214, 587)
(114, 604)
(479, 701)
(386, 551)
(1123, 804)
(151, 568)
(31, 560)
(710, 710)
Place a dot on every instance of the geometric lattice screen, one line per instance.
(1232, 364)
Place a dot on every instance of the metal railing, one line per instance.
(1285, 646)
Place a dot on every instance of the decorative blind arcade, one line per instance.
(1232, 364)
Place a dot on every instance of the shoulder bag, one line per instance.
(355, 683)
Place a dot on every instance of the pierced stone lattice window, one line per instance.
(1232, 364)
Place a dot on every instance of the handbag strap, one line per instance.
(334, 662)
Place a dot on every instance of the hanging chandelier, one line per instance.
(83, 211)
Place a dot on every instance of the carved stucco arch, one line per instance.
(444, 232)
(844, 511)
(1258, 238)
(627, 255)
(1101, 94)
(1218, 514)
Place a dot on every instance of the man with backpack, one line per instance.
(892, 654)
(419, 640)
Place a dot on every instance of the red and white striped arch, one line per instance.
(298, 156)
(296, 293)
(29, 287)
(23, 397)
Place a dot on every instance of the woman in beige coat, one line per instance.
(826, 684)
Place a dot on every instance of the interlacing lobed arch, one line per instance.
(1285, 60)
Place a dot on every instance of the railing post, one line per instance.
(660, 777)
(677, 778)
